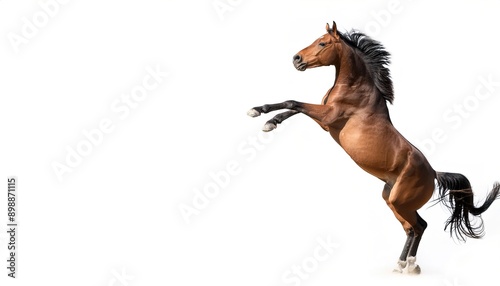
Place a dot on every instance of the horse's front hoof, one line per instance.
(253, 113)
(269, 127)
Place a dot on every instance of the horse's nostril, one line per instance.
(297, 58)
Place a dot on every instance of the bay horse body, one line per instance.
(354, 111)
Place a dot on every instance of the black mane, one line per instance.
(377, 60)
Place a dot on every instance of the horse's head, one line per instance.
(322, 52)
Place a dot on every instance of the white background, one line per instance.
(117, 211)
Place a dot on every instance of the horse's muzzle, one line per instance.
(298, 63)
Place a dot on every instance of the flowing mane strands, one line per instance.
(377, 60)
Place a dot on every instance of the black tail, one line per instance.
(461, 203)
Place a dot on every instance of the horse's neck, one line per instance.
(353, 83)
(351, 69)
(351, 76)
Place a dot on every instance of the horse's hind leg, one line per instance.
(409, 236)
(404, 209)
(416, 241)
(402, 262)
(408, 255)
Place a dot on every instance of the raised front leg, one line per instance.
(322, 114)
(266, 108)
(273, 123)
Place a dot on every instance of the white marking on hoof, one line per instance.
(400, 267)
(412, 267)
(269, 127)
(414, 270)
(253, 113)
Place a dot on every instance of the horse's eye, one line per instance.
(321, 44)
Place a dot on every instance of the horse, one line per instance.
(354, 111)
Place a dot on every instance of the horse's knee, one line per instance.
(291, 104)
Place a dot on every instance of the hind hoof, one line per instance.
(412, 268)
(407, 267)
(399, 267)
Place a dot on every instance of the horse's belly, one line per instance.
(376, 151)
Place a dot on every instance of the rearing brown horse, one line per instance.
(355, 113)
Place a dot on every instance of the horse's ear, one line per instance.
(333, 30)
